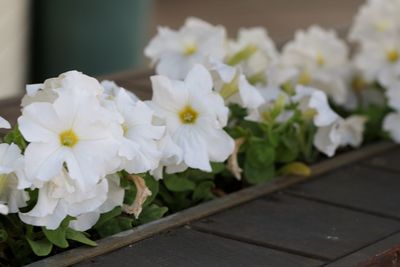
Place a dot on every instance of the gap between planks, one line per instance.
(141, 232)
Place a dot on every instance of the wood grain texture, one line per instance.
(389, 161)
(306, 227)
(360, 187)
(185, 247)
(369, 252)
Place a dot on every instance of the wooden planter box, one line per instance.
(126, 238)
(139, 82)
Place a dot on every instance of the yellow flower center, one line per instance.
(393, 56)
(68, 138)
(188, 115)
(125, 129)
(190, 49)
(304, 78)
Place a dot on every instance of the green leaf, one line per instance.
(3, 235)
(151, 213)
(41, 247)
(217, 167)
(114, 225)
(176, 183)
(203, 191)
(259, 163)
(15, 136)
(79, 237)
(295, 168)
(106, 217)
(242, 55)
(58, 236)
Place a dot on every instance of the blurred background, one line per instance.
(43, 38)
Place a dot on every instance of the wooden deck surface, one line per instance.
(342, 218)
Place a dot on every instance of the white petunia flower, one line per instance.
(115, 198)
(171, 156)
(4, 124)
(376, 20)
(321, 59)
(68, 81)
(391, 125)
(138, 143)
(379, 60)
(254, 52)
(393, 95)
(341, 133)
(233, 86)
(194, 116)
(274, 99)
(12, 196)
(314, 104)
(351, 130)
(327, 139)
(176, 52)
(74, 130)
(61, 197)
(111, 90)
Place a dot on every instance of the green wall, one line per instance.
(93, 36)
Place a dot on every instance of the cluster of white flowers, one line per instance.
(250, 71)
(80, 133)
(376, 31)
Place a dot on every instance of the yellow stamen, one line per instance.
(190, 49)
(304, 78)
(68, 138)
(125, 129)
(188, 115)
(393, 56)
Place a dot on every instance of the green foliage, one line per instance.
(40, 247)
(175, 183)
(186, 189)
(373, 127)
(151, 213)
(260, 158)
(15, 136)
(80, 237)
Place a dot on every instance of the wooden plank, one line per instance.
(380, 250)
(360, 187)
(144, 231)
(185, 247)
(306, 227)
(389, 161)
